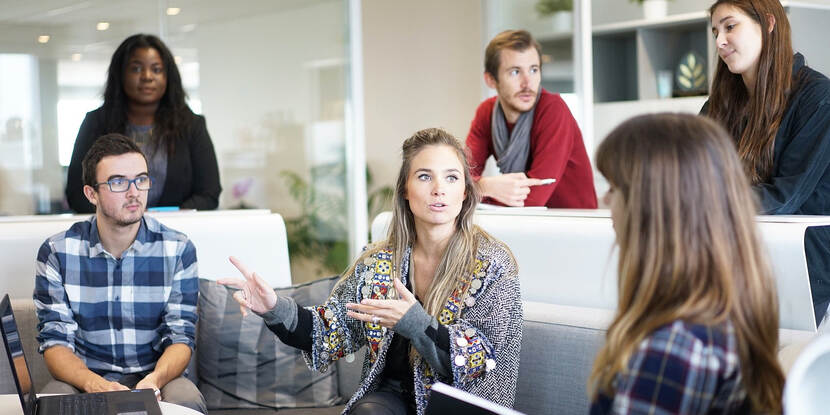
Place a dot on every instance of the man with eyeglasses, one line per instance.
(116, 294)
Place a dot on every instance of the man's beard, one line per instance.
(120, 221)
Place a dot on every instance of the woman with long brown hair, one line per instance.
(777, 110)
(144, 99)
(438, 300)
(696, 327)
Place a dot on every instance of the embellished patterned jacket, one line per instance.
(484, 322)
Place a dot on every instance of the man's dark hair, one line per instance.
(106, 145)
(517, 40)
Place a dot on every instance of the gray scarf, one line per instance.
(512, 151)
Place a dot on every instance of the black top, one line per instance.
(192, 180)
(800, 181)
(397, 366)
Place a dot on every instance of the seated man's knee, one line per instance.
(58, 387)
(181, 391)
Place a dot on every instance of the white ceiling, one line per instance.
(71, 23)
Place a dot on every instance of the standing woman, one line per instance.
(696, 327)
(777, 110)
(144, 100)
(438, 300)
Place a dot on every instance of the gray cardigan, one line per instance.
(484, 325)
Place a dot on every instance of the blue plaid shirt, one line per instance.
(117, 315)
(681, 368)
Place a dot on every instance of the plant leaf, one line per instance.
(685, 71)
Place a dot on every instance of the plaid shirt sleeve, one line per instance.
(672, 372)
(179, 323)
(56, 322)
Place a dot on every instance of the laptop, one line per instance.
(445, 399)
(132, 402)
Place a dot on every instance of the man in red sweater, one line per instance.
(530, 131)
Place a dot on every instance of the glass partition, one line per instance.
(271, 78)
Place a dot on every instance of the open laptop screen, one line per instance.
(17, 361)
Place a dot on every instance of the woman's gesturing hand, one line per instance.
(388, 312)
(253, 292)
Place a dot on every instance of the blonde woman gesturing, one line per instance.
(438, 300)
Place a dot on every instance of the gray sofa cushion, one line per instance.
(555, 363)
(242, 364)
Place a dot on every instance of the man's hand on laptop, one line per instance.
(511, 189)
(99, 384)
(149, 382)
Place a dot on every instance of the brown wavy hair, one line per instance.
(753, 120)
(688, 247)
(516, 40)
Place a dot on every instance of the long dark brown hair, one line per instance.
(688, 247)
(172, 114)
(753, 121)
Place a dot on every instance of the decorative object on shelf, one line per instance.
(239, 189)
(558, 12)
(665, 78)
(549, 7)
(691, 75)
(653, 9)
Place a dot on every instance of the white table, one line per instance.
(168, 408)
(10, 404)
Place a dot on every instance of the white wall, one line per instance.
(423, 65)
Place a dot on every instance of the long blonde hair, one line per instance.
(459, 257)
(688, 247)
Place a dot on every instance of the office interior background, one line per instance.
(308, 101)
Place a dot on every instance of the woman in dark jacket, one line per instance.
(144, 100)
(778, 112)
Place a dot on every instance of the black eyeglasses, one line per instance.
(122, 184)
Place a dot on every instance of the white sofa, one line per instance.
(566, 264)
(567, 268)
(567, 257)
(257, 237)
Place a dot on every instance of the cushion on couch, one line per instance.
(242, 364)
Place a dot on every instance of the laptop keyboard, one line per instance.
(83, 404)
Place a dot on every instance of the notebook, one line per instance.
(445, 399)
(132, 402)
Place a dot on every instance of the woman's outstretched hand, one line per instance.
(387, 313)
(253, 292)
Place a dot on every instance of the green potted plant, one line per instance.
(653, 9)
(319, 233)
(549, 7)
(557, 13)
